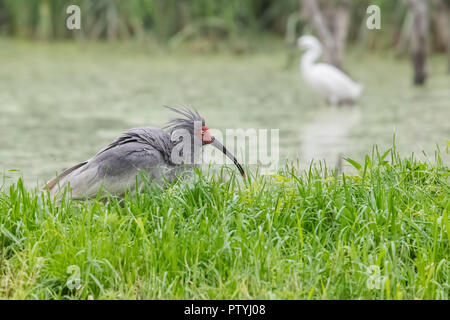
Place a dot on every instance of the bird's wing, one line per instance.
(155, 137)
(115, 167)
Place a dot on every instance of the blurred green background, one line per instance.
(170, 20)
(64, 94)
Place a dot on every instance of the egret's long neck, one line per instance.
(309, 57)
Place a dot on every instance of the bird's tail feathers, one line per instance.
(54, 182)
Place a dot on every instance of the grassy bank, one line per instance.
(383, 233)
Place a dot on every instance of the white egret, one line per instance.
(328, 81)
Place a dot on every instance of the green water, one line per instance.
(59, 104)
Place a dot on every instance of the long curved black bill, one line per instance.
(222, 148)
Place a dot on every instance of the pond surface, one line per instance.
(61, 103)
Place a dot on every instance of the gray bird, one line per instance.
(162, 154)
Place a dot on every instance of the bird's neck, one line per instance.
(310, 57)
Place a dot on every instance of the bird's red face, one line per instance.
(205, 135)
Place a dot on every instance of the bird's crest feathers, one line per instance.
(190, 117)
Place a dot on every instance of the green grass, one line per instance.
(381, 234)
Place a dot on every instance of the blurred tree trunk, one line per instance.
(441, 24)
(418, 38)
(331, 25)
(341, 24)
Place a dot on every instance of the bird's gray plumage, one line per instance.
(115, 167)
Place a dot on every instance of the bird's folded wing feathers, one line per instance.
(139, 148)
(53, 182)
